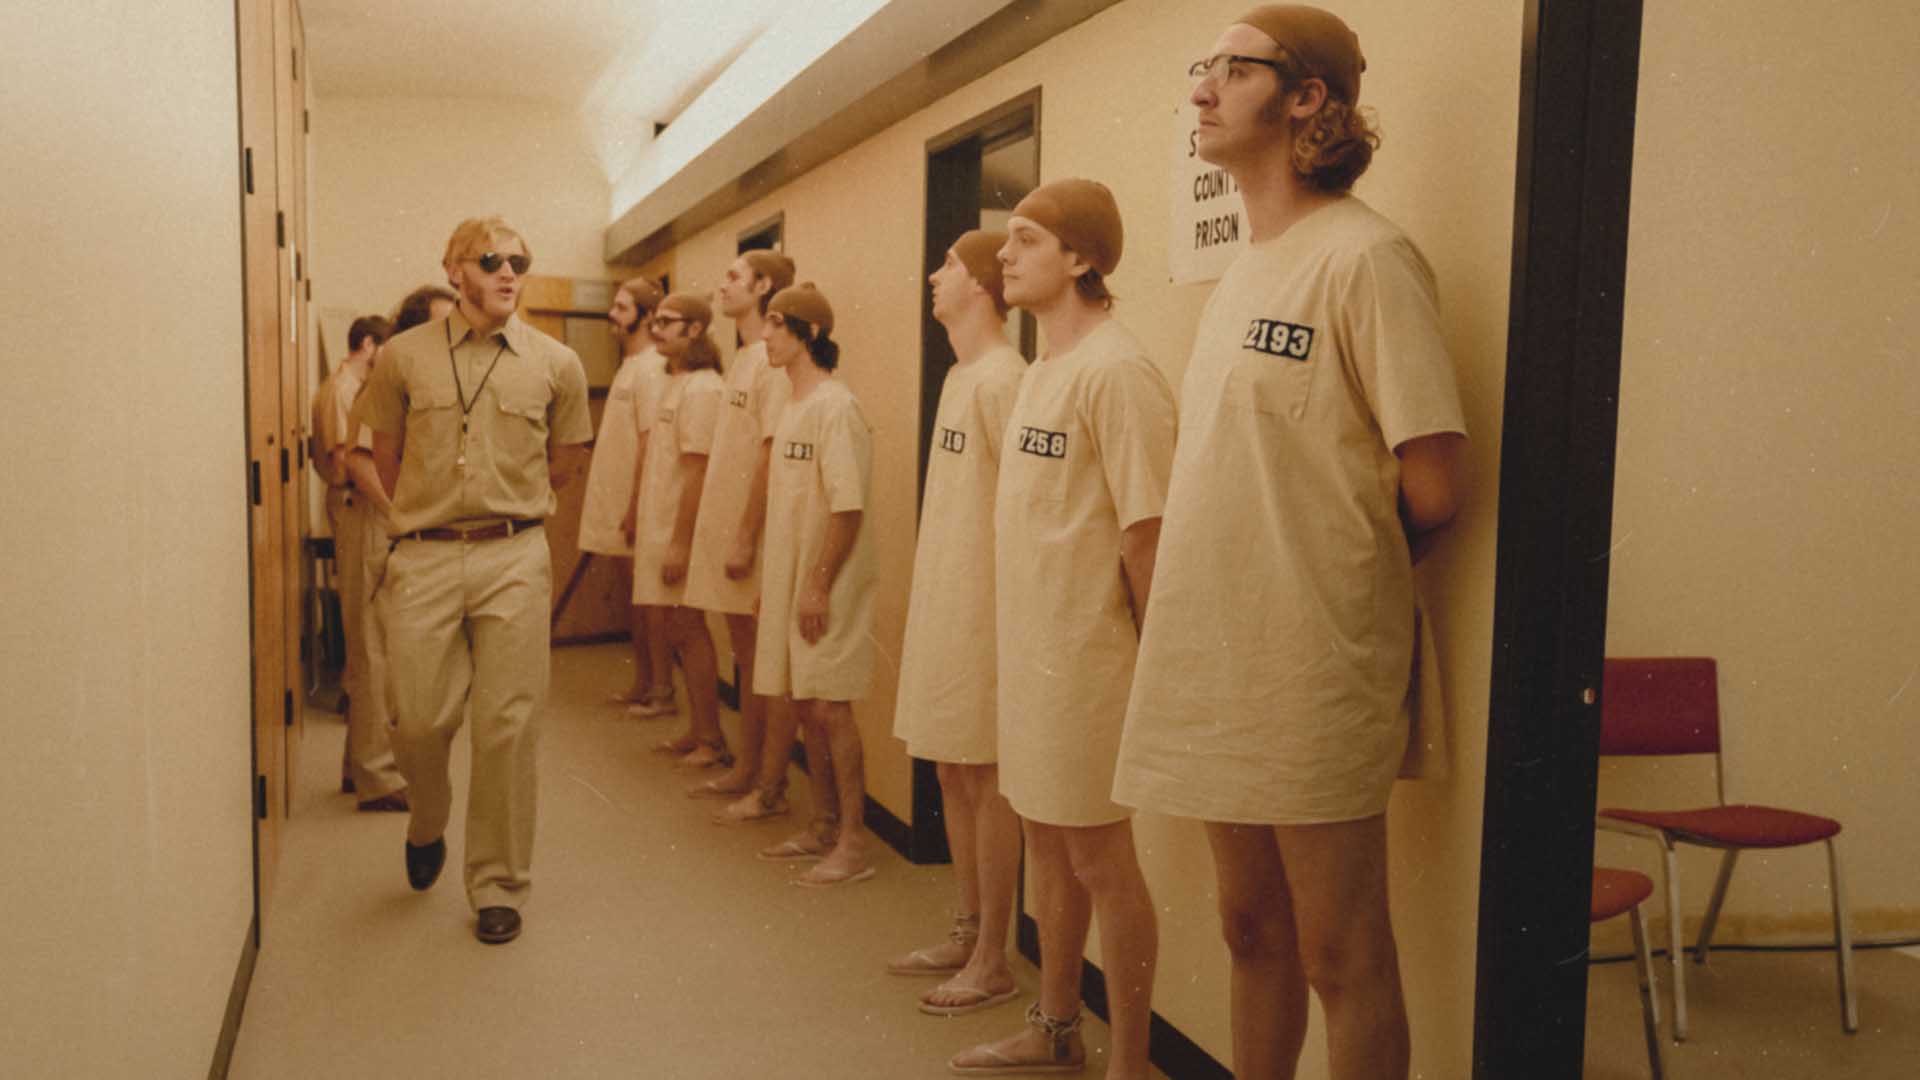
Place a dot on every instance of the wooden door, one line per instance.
(589, 601)
(272, 695)
(289, 149)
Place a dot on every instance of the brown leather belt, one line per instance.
(497, 531)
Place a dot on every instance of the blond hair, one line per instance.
(475, 235)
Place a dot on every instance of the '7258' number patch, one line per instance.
(1276, 338)
(1042, 442)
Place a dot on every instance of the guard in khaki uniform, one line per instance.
(816, 599)
(672, 477)
(724, 576)
(614, 471)
(946, 706)
(369, 770)
(1319, 433)
(1083, 474)
(475, 419)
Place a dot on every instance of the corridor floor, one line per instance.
(656, 945)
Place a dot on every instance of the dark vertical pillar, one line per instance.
(1579, 76)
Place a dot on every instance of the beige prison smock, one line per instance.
(945, 708)
(631, 402)
(683, 425)
(1274, 670)
(496, 468)
(332, 402)
(755, 395)
(822, 465)
(1087, 454)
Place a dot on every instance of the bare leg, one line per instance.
(1256, 917)
(991, 853)
(688, 630)
(850, 850)
(643, 683)
(1106, 866)
(739, 779)
(1064, 912)
(823, 832)
(1337, 875)
(654, 621)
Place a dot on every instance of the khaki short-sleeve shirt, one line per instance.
(610, 479)
(683, 427)
(949, 686)
(822, 465)
(1274, 668)
(756, 394)
(478, 417)
(1087, 453)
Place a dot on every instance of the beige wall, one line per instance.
(1764, 502)
(124, 542)
(393, 176)
(1110, 85)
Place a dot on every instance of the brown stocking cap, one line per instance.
(1326, 46)
(1083, 215)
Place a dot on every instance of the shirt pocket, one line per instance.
(433, 427)
(520, 407)
(1277, 386)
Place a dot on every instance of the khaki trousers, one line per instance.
(369, 750)
(467, 633)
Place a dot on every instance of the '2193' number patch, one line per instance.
(1044, 443)
(1276, 338)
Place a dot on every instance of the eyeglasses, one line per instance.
(661, 322)
(1217, 66)
(491, 261)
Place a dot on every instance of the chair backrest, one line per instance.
(1660, 705)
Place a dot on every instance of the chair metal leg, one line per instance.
(1649, 994)
(1843, 943)
(1713, 906)
(1676, 952)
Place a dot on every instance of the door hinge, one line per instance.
(309, 290)
(253, 480)
(249, 167)
(280, 228)
(306, 121)
(286, 470)
(287, 707)
(296, 65)
(260, 797)
(299, 267)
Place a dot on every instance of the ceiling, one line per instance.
(630, 58)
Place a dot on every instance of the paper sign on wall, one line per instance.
(1209, 224)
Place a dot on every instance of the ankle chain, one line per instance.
(1056, 1030)
(966, 931)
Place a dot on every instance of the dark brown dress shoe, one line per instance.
(424, 863)
(393, 802)
(497, 925)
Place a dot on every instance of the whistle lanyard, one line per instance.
(466, 403)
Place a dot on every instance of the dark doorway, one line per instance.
(976, 173)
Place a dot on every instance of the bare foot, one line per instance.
(972, 988)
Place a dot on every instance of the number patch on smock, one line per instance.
(799, 451)
(737, 399)
(1275, 338)
(955, 441)
(1043, 443)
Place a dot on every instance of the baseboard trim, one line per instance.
(236, 1004)
(1170, 1050)
(897, 834)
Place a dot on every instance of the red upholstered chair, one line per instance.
(1616, 892)
(1671, 705)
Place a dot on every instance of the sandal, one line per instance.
(679, 745)
(754, 806)
(711, 789)
(965, 932)
(819, 877)
(706, 755)
(1065, 1052)
(974, 999)
(802, 846)
(658, 705)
